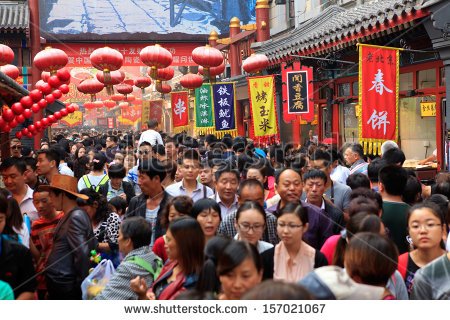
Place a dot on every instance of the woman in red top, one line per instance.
(184, 245)
(176, 207)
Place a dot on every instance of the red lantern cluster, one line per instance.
(213, 71)
(208, 57)
(91, 87)
(255, 63)
(114, 78)
(36, 100)
(164, 88)
(41, 125)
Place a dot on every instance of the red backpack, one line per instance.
(403, 264)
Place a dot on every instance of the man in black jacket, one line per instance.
(69, 261)
(151, 203)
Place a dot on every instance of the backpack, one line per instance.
(403, 264)
(89, 185)
(147, 266)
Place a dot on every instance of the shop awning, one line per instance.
(336, 28)
(14, 16)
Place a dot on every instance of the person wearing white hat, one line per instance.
(68, 263)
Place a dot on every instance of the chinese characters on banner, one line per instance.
(73, 119)
(224, 108)
(378, 96)
(180, 110)
(428, 109)
(79, 53)
(262, 103)
(110, 123)
(204, 123)
(130, 114)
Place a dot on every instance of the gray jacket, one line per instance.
(118, 287)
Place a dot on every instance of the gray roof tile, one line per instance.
(14, 15)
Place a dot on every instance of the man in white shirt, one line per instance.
(189, 186)
(151, 135)
(13, 174)
(227, 183)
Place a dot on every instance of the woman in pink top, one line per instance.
(292, 258)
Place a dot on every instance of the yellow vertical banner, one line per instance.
(262, 103)
(145, 112)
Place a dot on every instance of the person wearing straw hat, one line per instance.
(68, 263)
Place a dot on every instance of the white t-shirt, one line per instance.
(152, 137)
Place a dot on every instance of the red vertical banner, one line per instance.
(156, 110)
(378, 96)
(180, 110)
(110, 123)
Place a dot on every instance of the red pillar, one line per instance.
(262, 20)
(234, 55)
(35, 36)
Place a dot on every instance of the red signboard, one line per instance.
(110, 123)
(156, 110)
(79, 52)
(378, 96)
(180, 110)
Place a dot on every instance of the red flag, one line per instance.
(180, 110)
(378, 99)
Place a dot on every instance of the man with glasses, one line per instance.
(144, 153)
(16, 148)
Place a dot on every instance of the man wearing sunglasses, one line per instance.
(16, 148)
(144, 153)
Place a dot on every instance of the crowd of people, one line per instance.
(208, 218)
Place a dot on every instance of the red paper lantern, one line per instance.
(130, 98)
(191, 81)
(75, 107)
(64, 112)
(38, 125)
(255, 63)
(39, 84)
(42, 103)
(30, 135)
(213, 71)
(165, 74)
(46, 88)
(45, 75)
(13, 123)
(98, 104)
(25, 131)
(123, 105)
(156, 56)
(6, 55)
(106, 59)
(89, 105)
(51, 118)
(32, 128)
(19, 134)
(91, 87)
(17, 108)
(50, 98)
(207, 56)
(35, 95)
(142, 82)
(57, 115)
(20, 118)
(71, 108)
(124, 89)
(27, 113)
(8, 115)
(109, 104)
(164, 88)
(117, 97)
(64, 88)
(63, 75)
(116, 77)
(57, 94)
(51, 60)
(11, 71)
(35, 108)
(45, 122)
(54, 81)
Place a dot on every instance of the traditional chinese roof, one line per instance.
(336, 28)
(14, 16)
